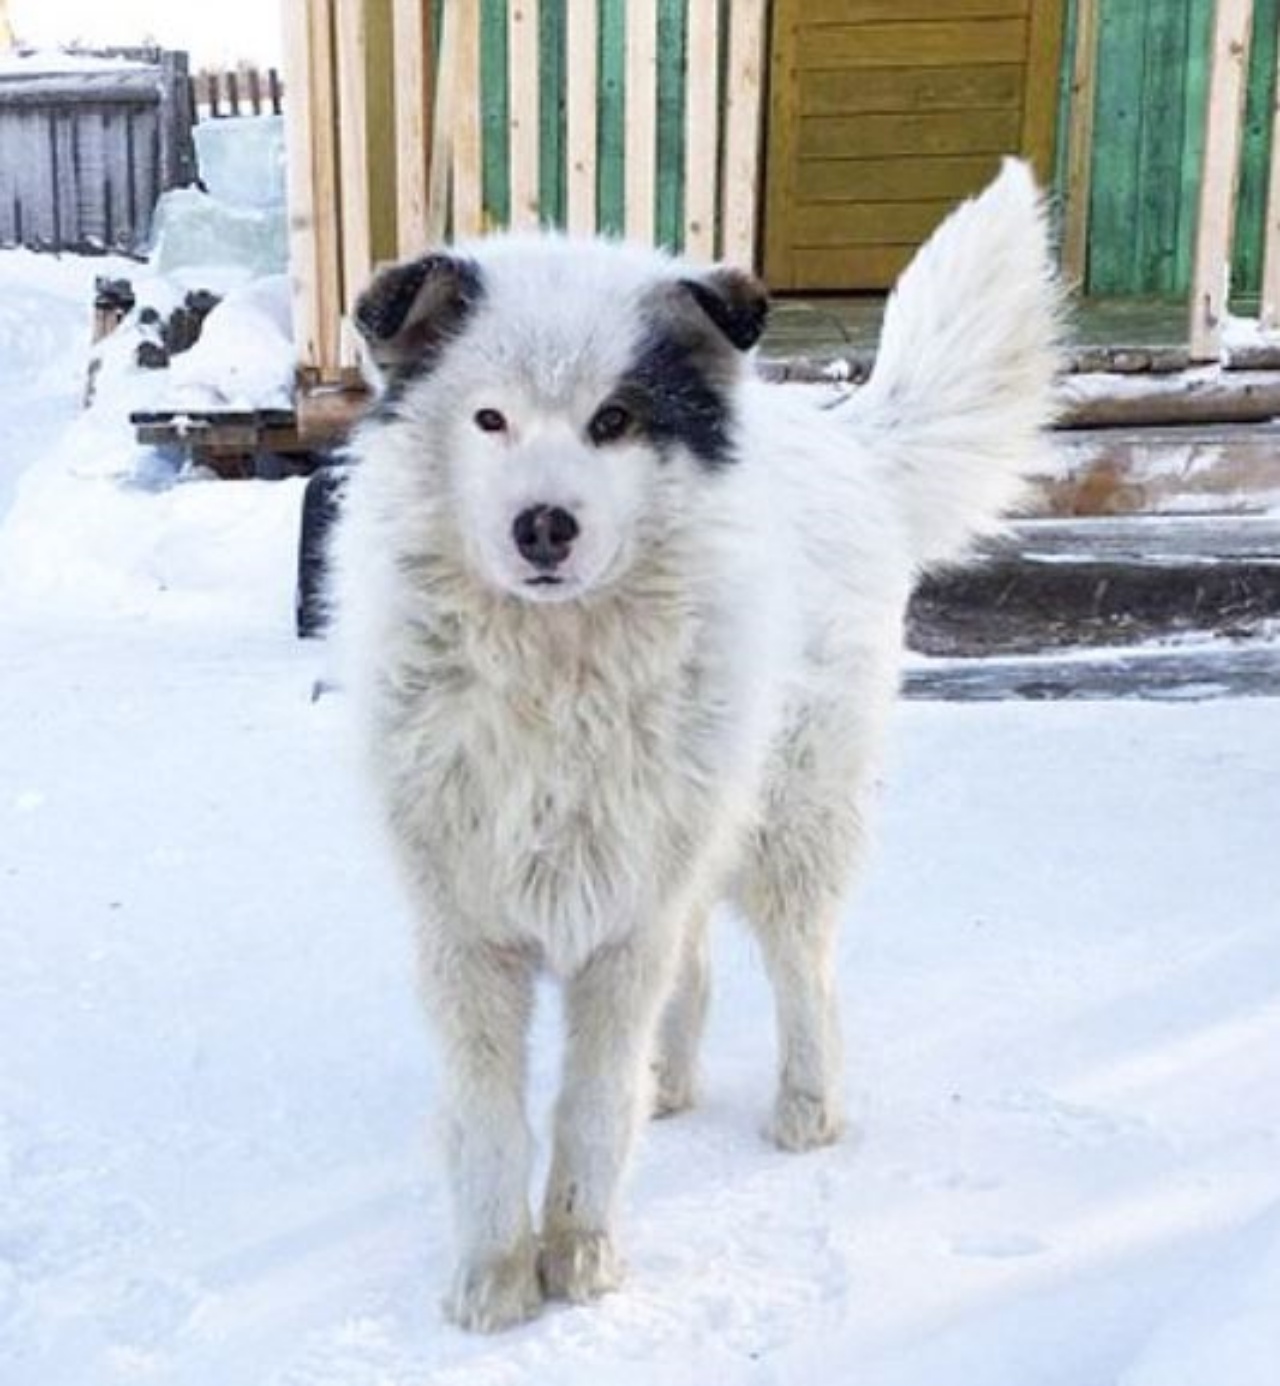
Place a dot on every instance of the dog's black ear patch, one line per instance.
(410, 311)
(736, 302)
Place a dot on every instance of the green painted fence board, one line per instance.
(1252, 206)
(495, 113)
(1152, 81)
(671, 74)
(611, 133)
(552, 175)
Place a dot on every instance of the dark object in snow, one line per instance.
(321, 502)
(151, 356)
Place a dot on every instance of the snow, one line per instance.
(1061, 982)
(43, 62)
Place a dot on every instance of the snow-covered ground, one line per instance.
(1062, 986)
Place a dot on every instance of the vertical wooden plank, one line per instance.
(641, 118)
(1270, 292)
(1075, 219)
(701, 128)
(313, 184)
(1113, 188)
(582, 38)
(784, 100)
(742, 107)
(1161, 144)
(551, 114)
(669, 195)
(467, 217)
(353, 161)
(440, 162)
(1040, 106)
(495, 112)
(611, 67)
(1199, 21)
(382, 154)
(413, 96)
(1224, 118)
(522, 80)
(1248, 250)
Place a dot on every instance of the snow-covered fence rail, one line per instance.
(87, 146)
(241, 91)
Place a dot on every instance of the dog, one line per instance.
(622, 625)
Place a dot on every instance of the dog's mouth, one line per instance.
(544, 580)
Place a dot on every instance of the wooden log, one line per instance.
(1205, 395)
(353, 159)
(1224, 134)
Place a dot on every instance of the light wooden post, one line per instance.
(523, 89)
(353, 159)
(701, 127)
(413, 96)
(1271, 245)
(582, 38)
(314, 237)
(1224, 133)
(1075, 218)
(740, 197)
(641, 143)
(468, 189)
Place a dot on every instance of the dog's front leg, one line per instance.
(611, 1013)
(480, 1000)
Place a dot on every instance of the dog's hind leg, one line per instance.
(675, 1062)
(480, 1001)
(611, 1014)
(797, 873)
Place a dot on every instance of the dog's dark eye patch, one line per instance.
(673, 402)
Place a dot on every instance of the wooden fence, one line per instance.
(242, 91)
(411, 120)
(85, 155)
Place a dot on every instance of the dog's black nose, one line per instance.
(544, 534)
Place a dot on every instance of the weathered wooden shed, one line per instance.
(818, 140)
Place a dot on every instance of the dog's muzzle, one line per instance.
(544, 536)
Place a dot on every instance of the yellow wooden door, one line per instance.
(882, 113)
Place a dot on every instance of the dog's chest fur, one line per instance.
(553, 767)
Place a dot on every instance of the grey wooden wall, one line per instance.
(85, 155)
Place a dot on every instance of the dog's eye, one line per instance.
(609, 424)
(490, 421)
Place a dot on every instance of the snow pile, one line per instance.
(101, 526)
(45, 62)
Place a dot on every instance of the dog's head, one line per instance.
(563, 394)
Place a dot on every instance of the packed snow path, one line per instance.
(1061, 984)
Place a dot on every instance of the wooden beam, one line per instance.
(353, 158)
(413, 97)
(468, 187)
(582, 37)
(314, 262)
(1224, 133)
(701, 128)
(641, 149)
(742, 106)
(440, 170)
(1271, 245)
(522, 91)
(1075, 215)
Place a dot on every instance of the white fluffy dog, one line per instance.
(624, 625)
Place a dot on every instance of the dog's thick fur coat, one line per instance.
(623, 624)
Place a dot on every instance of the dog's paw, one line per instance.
(805, 1121)
(578, 1265)
(674, 1090)
(499, 1292)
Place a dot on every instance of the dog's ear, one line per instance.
(411, 310)
(735, 301)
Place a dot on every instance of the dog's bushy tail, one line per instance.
(963, 382)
